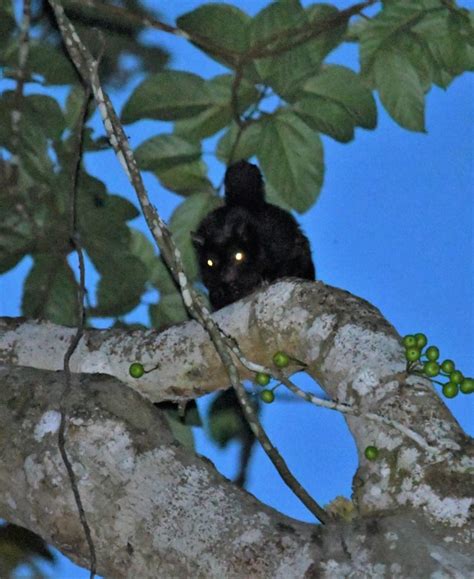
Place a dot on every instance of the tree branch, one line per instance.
(124, 14)
(156, 510)
(295, 37)
(352, 352)
(88, 69)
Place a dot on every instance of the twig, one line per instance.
(295, 37)
(124, 14)
(303, 34)
(348, 409)
(313, 399)
(79, 332)
(87, 68)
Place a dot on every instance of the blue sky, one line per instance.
(393, 224)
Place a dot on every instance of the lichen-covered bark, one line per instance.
(157, 511)
(291, 315)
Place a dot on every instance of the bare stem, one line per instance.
(79, 131)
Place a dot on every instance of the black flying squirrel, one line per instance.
(248, 241)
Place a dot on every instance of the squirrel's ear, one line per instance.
(198, 240)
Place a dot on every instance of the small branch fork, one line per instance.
(87, 68)
(329, 404)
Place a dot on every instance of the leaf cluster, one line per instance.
(35, 191)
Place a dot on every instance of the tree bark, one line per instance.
(157, 510)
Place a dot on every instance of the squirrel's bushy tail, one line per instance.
(244, 185)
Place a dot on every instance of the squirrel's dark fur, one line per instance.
(248, 241)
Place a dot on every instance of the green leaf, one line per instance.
(326, 117)
(30, 213)
(7, 24)
(400, 89)
(386, 28)
(33, 135)
(50, 62)
(40, 113)
(448, 39)
(247, 144)
(291, 156)
(16, 236)
(186, 179)
(204, 124)
(168, 96)
(181, 431)
(416, 50)
(273, 27)
(422, 4)
(102, 221)
(162, 279)
(142, 248)
(13, 246)
(9, 259)
(217, 28)
(334, 101)
(272, 196)
(165, 152)
(356, 29)
(275, 24)
(282, 23)
(168, 311)
(74, 104)
(44, 112)
(221, 31)
(220, 113)
(90, 143)
(344, 87)
(185, 219)
(50, 291)
(322, 17)
(107, 240)
(121, 285)
(34, 156)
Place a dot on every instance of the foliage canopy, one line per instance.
(279, 94)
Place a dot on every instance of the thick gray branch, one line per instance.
(349, 348)
(154, 509)
(306, 319)
(157, 511)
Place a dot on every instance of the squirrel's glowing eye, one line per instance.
(210, 263)
(239, 256)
